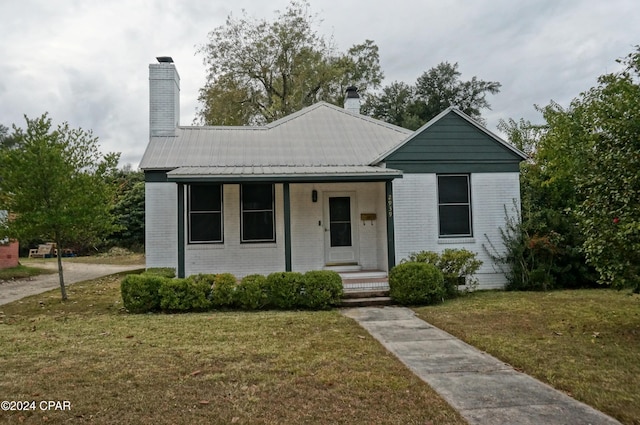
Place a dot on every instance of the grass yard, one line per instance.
(208, 368)
(22, 272)
(584, 342)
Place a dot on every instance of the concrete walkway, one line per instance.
(482, 388)
(73, 273)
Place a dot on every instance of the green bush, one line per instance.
(321, 289)
(283, 289)
(223, 291)
(182, 295)
(251, 293)
(458, 267)
(161, 271)
(413, 283)
(140, 292)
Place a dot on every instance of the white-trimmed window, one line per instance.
(454, 205)
(205, 213)
(257, 212)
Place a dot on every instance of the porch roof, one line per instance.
(299, 174)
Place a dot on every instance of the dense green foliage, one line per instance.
(580, 218)
(140, 293)
(414, 283)
(153, 291)
(259, 71)
(283, 289)
(55, 181)
(223, 290)
(251, 293)
(458, 267)
(321, 289)
(435, 90)
(182, 295)
(128, 210)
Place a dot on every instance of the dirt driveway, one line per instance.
(73, 272)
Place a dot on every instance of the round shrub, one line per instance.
(283, 289)
(251, 293)
(416, 283)
(140, 292)
(321, 289)
(223, 291)
(181, 295)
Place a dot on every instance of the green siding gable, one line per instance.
(452, 144)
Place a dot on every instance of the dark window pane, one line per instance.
(205, 197)
(205, 227)
(340, 234)
(257, 197)
(340, 209)
(257, 226)
(455, 220)
(453, 190)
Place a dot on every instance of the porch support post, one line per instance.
(391, 244)
(287, 227)
(180, 271)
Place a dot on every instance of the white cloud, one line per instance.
(87, 62)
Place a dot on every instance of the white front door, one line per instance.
(340, 231)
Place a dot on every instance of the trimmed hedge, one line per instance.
(149, 291)
(181, 295)
(321, 289)
(223, 292)
(251, 293)
(283, 289)
(416, 283)
(140, 292)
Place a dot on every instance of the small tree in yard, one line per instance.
(54, 181)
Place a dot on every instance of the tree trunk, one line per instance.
(60, 273)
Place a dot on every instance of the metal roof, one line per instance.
(285, 173)
(321, 135)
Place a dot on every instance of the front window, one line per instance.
(257, 212)
(454, 206)
(205, 213)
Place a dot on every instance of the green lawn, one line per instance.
(583, 342)
(207, 368)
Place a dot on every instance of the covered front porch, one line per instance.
(339, 222)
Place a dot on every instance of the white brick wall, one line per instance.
(416, 218)
(164, 99)
(233, 256)
(307, 224)
(161, 224)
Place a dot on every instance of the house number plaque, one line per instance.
(390, 205)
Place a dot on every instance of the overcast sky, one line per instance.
(86, 62)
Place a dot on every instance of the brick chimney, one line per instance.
(164, 97)
(352, 100)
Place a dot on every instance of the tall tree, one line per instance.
(605, 121)
(54, 181)
(580, 192)
(435, 90)
(260, 71)
(128, 209)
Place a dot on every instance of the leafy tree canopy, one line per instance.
(580, 190)
(434, 91)
(54, 182)
(260, 71)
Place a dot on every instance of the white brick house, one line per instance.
(324, 187)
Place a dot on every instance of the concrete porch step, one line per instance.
(366, 302)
